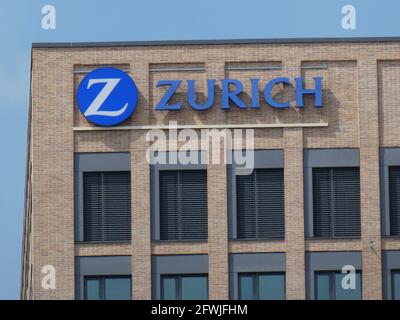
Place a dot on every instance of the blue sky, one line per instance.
(124, 20)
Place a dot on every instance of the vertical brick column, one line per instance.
(52, 181)
(294, 195)
(294, 213)
(141, 222)
(215, 69)
(217, 231)
(217, 206)
(369, 180)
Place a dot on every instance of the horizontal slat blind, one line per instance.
(394, 190)
(260, 205)
(183, 205)
(107, 206)
(169, 205)
(336, 202)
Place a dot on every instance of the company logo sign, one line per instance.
(107, 96)
(231, 90)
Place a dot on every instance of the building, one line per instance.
(325, 192)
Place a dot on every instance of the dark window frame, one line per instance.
(257, 235)
(333, 226)
(263, 159)
(103, 224)
(155, 168)
(256, 284)
(332, 283)
(180, 216)
(178, 282)
(102, 281)
(93, 162)
(392, 274)
(322, 158)
(389, 157)
(392, 227)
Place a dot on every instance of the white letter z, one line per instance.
(93, 109)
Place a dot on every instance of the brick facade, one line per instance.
(361, 99)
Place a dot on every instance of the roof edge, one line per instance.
(210, 42)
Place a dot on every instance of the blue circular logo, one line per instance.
(107, 96)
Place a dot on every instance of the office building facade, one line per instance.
(103, 222)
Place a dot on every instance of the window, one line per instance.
(108, 288)
(336, 202)
(260, 205)
(184, 287)
(107, 206)
(183, 205)
(328, 286)
(394, 198)
(261, 286)
(396, 284)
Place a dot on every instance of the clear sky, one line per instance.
(125, 20)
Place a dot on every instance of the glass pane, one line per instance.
(169, 288)
(396, 285)
(347, 294)
(194, 288)
(117, 289)
(271, 287)
(322, 286)
(246, 287)
(92, 288)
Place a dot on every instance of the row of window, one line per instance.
(251, 286)
(183, 207)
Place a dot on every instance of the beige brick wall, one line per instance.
(361, 99)
(141, 229)
(52, 174)
(294, 215)
(369, 179)
(217, 231)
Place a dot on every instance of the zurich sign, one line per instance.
(107, 96)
